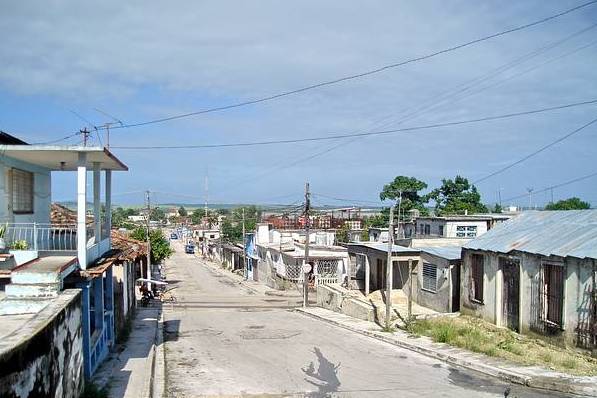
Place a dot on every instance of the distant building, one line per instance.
(462, 226)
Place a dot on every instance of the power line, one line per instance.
(536, 152)
(362, 74)
(362, 134)
(344, 199)
(563, 184)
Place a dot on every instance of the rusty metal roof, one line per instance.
(559, 233)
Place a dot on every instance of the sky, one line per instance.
(144, 60)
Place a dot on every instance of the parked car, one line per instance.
(173, 236)
(189, 249)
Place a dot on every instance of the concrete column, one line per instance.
(97, 209)
(84, 286)
(367, 275)
(82, 210)
(98, 302)
(108, 202)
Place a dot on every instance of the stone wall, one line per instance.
(44, 356)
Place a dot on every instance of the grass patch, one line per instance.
(482, 337)
(388, 329)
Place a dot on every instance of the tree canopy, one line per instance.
(182, 211)
(157, 214)
(410, 188)
(573, 203)
(232, 228)
(457, 196)
(160, 247)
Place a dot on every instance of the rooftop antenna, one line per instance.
(530, 191)
(107, 125)
(84, 131)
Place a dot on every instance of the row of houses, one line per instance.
(535, 272)
(68, 279)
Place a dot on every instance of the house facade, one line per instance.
(432, 274)
(461, 226)
(536, 273)
(44, 257)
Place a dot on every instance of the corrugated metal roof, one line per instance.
(447, 252)
(384, 247)
(560, 233)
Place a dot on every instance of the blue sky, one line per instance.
(145, 60)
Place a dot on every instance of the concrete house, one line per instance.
(536, 272)
(459, 226)
(435, 273)
(44, 259)
(282, 256)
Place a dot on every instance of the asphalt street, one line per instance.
(222, 340)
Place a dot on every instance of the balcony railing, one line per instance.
(46, 237)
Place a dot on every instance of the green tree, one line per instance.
(457, 196)
(182, 211)
(232, 228)
(497, 208)
(157, 214)
(120, 217)
(160, 247)
(342, 234)
(410, 188)
(573, 203)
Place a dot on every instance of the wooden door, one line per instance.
(511, 293)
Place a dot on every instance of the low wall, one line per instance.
(44, 357)
(336, 298)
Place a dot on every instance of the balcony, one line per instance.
(27, 241)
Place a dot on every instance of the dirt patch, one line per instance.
(479, 336)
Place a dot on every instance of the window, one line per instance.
(471, 231)
(22, 191)
(553, 294)
(430, 277)
(477, 270)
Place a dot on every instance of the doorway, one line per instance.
(455, 277)
(511, 293)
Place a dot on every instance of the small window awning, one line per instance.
(63, 158)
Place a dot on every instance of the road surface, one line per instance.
(221, 341)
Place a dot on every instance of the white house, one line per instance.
(459, 226)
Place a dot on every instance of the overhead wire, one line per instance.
(366, 73)
(536, 152)
(559, 185)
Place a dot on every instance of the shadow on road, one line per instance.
(325, 378)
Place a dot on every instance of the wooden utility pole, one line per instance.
(306, 266)
(245, 270)
(148, 273)
(389, 269)
(85, 134)
(410, 288)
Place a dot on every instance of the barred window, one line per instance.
(477, 270)
(22, 191)
(553, 294)
(430, 277)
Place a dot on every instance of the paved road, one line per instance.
(223, 341)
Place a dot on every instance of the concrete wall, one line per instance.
(44, 358)
(336, 298)
(578, 287)
(41, 193)
(441, 299)
(124, 294)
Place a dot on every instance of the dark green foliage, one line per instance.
(160, 247)
(573, 203)
(232, 227)
(410, 188)
(457, 196)
(182, 211)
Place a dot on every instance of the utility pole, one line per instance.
(530, 191)
(551, 190)
(306, 265)
(399, 215)
(410, 288)
(148, 275)
(389, 269)
(85, 134)
(206, 194)
(245, 270)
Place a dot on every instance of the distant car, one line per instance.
(189, 249)
(173, 236)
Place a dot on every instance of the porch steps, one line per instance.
(32, 290)
(17, 306)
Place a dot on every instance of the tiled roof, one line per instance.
(62, 215)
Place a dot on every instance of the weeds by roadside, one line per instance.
(478, 336)
(93, 391)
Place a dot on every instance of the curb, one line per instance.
(148, 390)
(158, 369)
(545, 382)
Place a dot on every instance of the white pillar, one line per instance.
(109, 203)
(82, 210)
(97, 209)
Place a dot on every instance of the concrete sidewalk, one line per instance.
(128, 371)
(526, 375)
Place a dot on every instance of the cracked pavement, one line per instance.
(223, 340)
